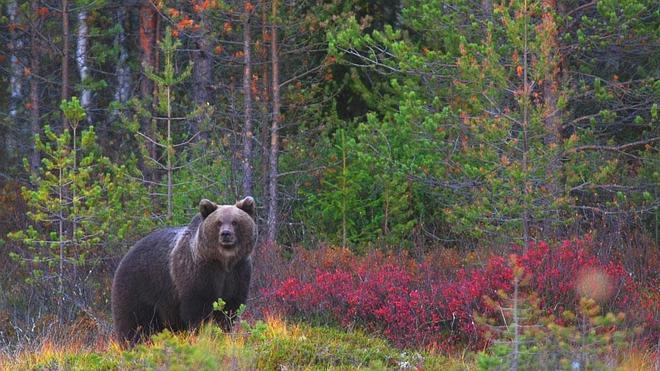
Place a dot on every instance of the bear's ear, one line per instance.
(247, 204)
(206, 207)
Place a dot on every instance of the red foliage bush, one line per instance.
(417, 304)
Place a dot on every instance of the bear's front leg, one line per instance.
(234, 294)
(195, 310)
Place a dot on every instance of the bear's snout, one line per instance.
(227, 237)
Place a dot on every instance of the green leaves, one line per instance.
(73, 111)
(81, 203)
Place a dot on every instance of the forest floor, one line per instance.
(272, 344)
(296, 319)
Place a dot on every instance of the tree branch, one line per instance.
(621, 148)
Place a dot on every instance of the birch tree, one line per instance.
(248, 130)
(123, 72)
(16, 64)
(83, 63)
(17, 136)
(272, 222)
(65, 50)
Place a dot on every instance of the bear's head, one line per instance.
(227, 233)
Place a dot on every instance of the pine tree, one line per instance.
(81, 205)
(164, 140)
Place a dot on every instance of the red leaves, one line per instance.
(330, 60)
(184, 23)
(417, 304)
(42, 11)
(254, 85)
(201, 6)
(249, 7)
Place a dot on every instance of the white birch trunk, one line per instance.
(247, 99)
(16, 68)
(18, 134)
(123, 92)
(272, 225)
(83, 63)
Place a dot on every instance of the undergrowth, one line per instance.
(421, 303)
(556, 306)
(265, 345)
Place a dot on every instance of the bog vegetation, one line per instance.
(441, 184)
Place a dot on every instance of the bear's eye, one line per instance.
(234, 223)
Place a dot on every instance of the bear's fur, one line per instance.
(170, 278)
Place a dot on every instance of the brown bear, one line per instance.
(170, 278)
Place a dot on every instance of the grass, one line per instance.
(265, 345)
(271, 344)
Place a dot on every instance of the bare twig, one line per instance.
(621, 148)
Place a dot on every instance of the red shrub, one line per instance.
(417, 304)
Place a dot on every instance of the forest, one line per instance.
(468, 184)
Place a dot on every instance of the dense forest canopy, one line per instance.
(404, 126)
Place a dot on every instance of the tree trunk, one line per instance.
(83, 67)
(65, 52)
(60, 274)
(16, 69)
(123, 93)
(234, 145)
(170, 152)
(248, 136)
(264, 101)
(148, 24)
(550, 55)
(147, 35)
(15, 140)
(487, 8)
(525, 128)
(272, 226)
(202, 78)
(35, 126)
(551, 115)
